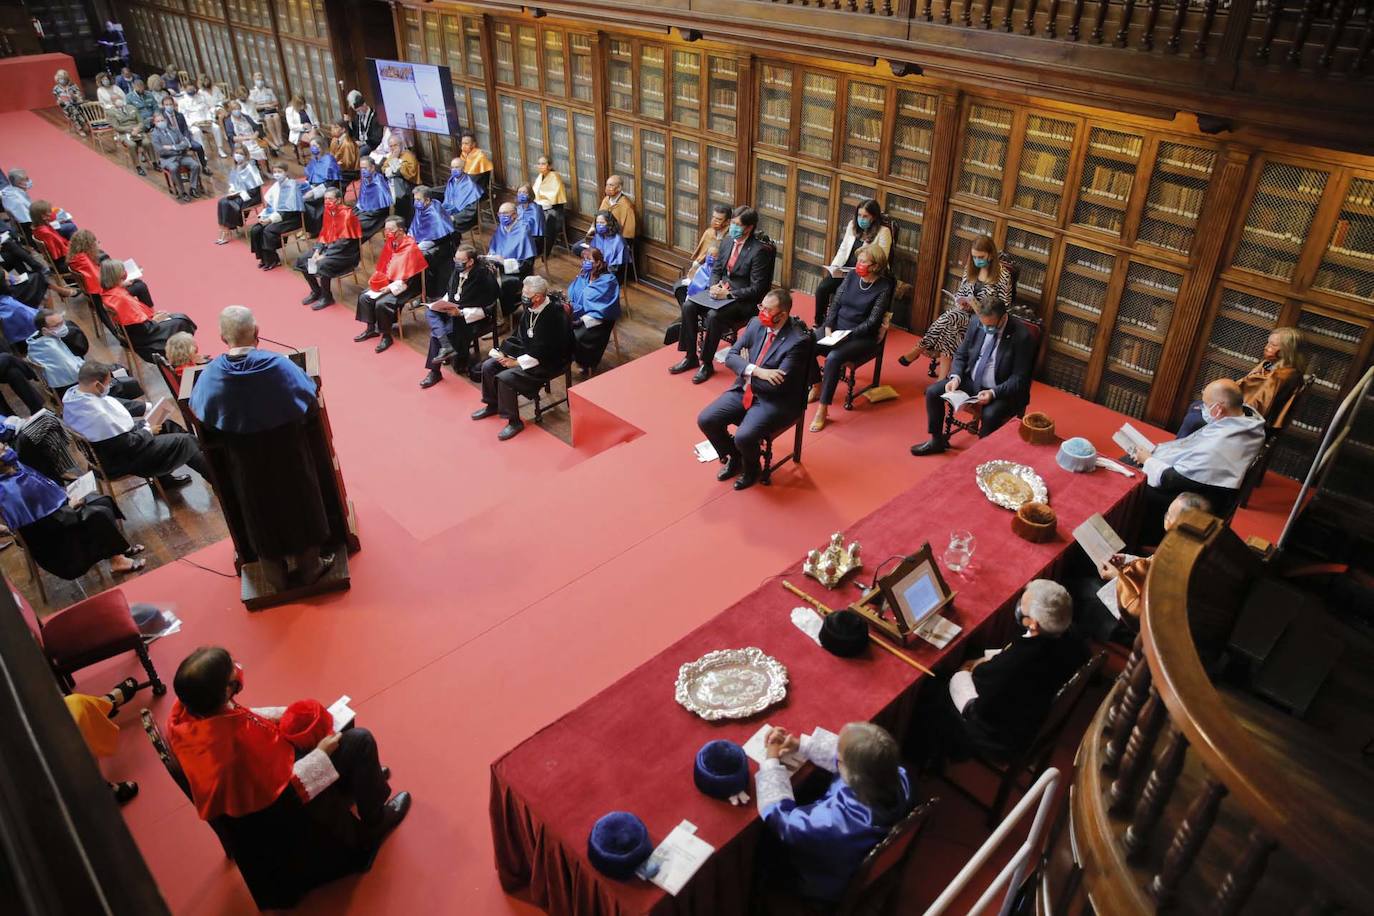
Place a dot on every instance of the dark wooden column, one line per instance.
(933, 241)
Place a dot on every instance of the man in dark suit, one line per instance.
(769, 393)
(993, 366)
(177, 119)
(743, 273)
(363, 126)
(1001, 699)
(472, 285)
(537, 350)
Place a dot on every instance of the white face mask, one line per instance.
(1207, 415)
(59, 331)
(258, 84)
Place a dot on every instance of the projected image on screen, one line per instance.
(415, 96)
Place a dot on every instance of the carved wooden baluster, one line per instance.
(987, 14)
(968, 13)
(1366, 43)
(1051, 29)
(1006, 17)
(1176, 29)
(1077, 16)
(947, 18)
(1158, 789)
(1137, 756)
(1188, 839)
(1337, 31)
(868, 7)
(1147, 41)
(1137, 658)
(1102, 7)
(1309, 12)
(1136, 692)
(926, 11)
(1240, 881)
(1127, 9)
(1271, 28)
(886, 8)
(1209, 15)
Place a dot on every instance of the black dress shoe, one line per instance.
(903, 360)
(731, 469)
(687, 365)
(481, 413)
(434, 378)
(140, 170)
(386, 773)
(313, 297)
(273, 266)
(746, 480)
(324, 303)
(174, 480)
(393, 812)
(705, 372)
(475, 372)
(384, 344)
(445, 352)
(366, 335)
(931, 446)
(511, 430)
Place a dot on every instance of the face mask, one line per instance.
(238, 157)
(527, 302)
(736, 230)
(278, 176)
(158, 122)
(767, 319)
(314, 150)
(523, 198)
(1207, 415)
(461, 266)
(603, 229)
(257, 84)
(864, 222)
(586, 267)
(862, 270)
(454, 173)
(989, 330)
(710, 260)
(59, 331)
(980, 263)
(505, 219)
(236, 680)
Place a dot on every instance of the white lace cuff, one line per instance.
(822, 749)
(313, 774)
(269, 712)
(773, 784)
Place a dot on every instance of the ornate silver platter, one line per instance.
(731, 683)
(1010, 485)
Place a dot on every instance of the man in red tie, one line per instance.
(743, 273)
(769, 393)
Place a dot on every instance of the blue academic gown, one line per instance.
(258, 391)
(534, 214)
(16, 319)
(430, 225)
(374, 192)
(288, 199)
(612, 246)
(461, 194)
(599, 298)
(513, 241)
(828, 839)
(321, 169)
(701, 280)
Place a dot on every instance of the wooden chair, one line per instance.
(851, 370)
(87, 452)
(1014, 268)
(1260, 466)
(974, 425)
(798, 425)
(35, 572)
(98, 127)
(89, 632)
(1031, 762)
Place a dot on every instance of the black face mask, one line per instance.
(526, 302)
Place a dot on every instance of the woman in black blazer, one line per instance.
(858, 306)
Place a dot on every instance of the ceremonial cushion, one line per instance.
(90, 631)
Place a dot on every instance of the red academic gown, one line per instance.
(52, 240)
(401, 259)
(89, 272)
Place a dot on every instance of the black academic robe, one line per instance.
(70, 541)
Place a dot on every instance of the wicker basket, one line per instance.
(1035, 522)
(1038, 429)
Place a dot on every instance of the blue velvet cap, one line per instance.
(618, 843)
(722, 769)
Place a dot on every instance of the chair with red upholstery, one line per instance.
(88, 632)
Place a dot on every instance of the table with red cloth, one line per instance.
(28, 81)
(631, 747)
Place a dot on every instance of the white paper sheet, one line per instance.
(676, 859)
(473, 315)
(1098, 540)
(833, 338)
(958, 398)
(808, 621)
(754, 749)
(82, 487)
(1129, 438)
(1107, 595)
(133, 271)
(343, 715)
(938, 631)
(705, 451)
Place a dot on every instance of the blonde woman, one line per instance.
(182, 352)
(1269, 386)
(68, 96)
(985, 275)
(300, 121)
(858, 306)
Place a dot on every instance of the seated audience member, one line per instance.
(536, 351)
(1121, 621)
(107, 93)
(269, 111)
(461, 195)
(173, 114)
(1211, 462)
(511, 240)
(244, 133)
(85, 259)
(257, 401)
(65, 539)
(473, 291)
(1001, 699)
(321, 173)
(148, 330)
(395, 281)
(198, 104)
(50, 348)
(993, 366)
(173, 149)
(621, 205)
(127, 123)
(825, 842)
(530, 212)
(858, 306)
(46, 222)
(301, 123)
(363, 127)
(595, 299)
(93, 717)
(432, 231)
(707, 246)
(282, 207)
(742, 275)
(475, 162)
(380, 154)
(402, 169)
(1267, 387)
(767, 394)
(17, 374)
(124, 445)
(343, 149)
(239, 764)
(17, 324)
(337, 251)
(985, 275)
(15, 197)
(182, 352)
(374, 198)
(607, 239)
(26, 278)
(68, 95)
(126, 79)
(867, 229)
(171, 79)
(552, 197)
(142, 101)
(245, 191)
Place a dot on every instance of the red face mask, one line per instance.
(767, 319)
(862, 270)
(236, 681)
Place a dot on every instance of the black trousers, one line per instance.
(265, 238)
(850, 350)
(231, 208)
(141, 453)
(380, 314)
(752, 427)
(18, 376)
(330, 267)
(372, 222)
(553, 228)
(825, 290)
(994, 414)
(715, 321)
(360, 773)
(501, 387)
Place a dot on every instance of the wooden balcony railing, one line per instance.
(1203, 800)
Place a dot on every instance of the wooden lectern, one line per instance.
(256, 592)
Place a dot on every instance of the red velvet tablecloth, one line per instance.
(549, 790)
(28, 81)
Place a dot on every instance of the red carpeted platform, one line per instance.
(500, 584)
(28, 81)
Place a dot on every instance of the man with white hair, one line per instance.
(826, 841)
(259, 403)
(537, 350)
(1003, 697)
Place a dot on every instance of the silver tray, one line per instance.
(731, 683)
(1026, 485)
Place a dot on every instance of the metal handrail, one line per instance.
(1014, 873)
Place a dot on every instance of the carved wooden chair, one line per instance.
(798, 425)
(1255, 475)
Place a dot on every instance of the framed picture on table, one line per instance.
(912, 593)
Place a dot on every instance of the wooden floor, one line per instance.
(191, 519)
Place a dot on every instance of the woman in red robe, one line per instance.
(148, 330)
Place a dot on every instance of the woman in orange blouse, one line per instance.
(84, 260)
(1268, 387)
(148, 330)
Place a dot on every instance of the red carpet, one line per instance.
(499, 584)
